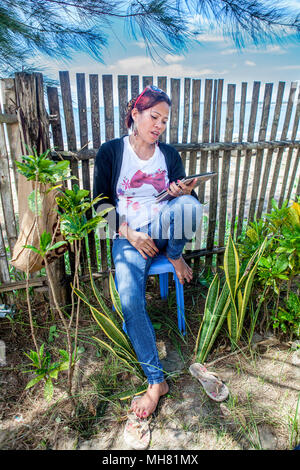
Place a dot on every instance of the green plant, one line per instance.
(231, 302)
(280, 264)
(74, 226)
(111, 325)
(40, 168)
(46, 370)
(288, 319)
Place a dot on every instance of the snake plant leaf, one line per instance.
(210, 303)
(109, 348)
(130, 393)
(231, 266)
(115, 296)
(247, 290)
(105, 323)
(232, 272)
(100, 299)
(223, 315)
(209, 333)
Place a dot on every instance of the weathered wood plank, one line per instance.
(225, 169)
(57, 135)
(290, 154)
(203, 158)
(123, 100)
(135, 87)
(148, 80)
(174, 118)
(95, 114)
(108, 107)
(247, 159)
(69, 120)
(162, 84)
(284, 132)
(274, 128)
(12, 129)
(205, 133)
(186, 115)
(6, 193)
(109, 134)
(196, 90)
(4, 269)
(86, 183)
(293, 180)
(214, 184)
(260, 153)
(238, 159)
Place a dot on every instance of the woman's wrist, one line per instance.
(123, 229)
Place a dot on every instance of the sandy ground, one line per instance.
(260, 412)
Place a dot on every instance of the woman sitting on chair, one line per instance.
(130, 172)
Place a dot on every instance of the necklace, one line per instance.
(144, 156)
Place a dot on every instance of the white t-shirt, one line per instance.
(138, 184)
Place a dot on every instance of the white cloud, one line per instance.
(253, 50)
(144, 66)
(173, 58)
(139, 44)
(250, 63)
(209, 37)
(288, 67)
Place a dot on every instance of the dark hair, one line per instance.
(148, 98)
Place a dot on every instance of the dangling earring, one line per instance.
(135, 131)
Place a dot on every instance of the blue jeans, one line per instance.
(174, 226)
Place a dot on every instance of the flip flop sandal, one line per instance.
(214, 388)
(137, 432)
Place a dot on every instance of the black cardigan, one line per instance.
(108, 166)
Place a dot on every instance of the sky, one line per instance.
(214, 57)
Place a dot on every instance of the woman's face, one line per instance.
(151, 122)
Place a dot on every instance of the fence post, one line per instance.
(34, 128)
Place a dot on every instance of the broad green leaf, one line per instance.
(57, 245)
(64, 365)
(34, 381)
(54, 373)
(48, 389)
(33, 248)
(64, 354)
(35, 202)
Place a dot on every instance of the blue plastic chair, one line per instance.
(161, 266)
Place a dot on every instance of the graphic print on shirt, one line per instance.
(157, 180)
(138, 184)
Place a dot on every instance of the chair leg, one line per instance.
(163, 285)
(180, 305)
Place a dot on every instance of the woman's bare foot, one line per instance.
(182, 269)
(145, 405)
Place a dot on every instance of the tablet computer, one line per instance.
(201, 178)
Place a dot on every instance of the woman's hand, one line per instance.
(180, 188)
(141, 241)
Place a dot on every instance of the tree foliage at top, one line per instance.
(59, 27)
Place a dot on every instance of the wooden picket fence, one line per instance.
(255, 164)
